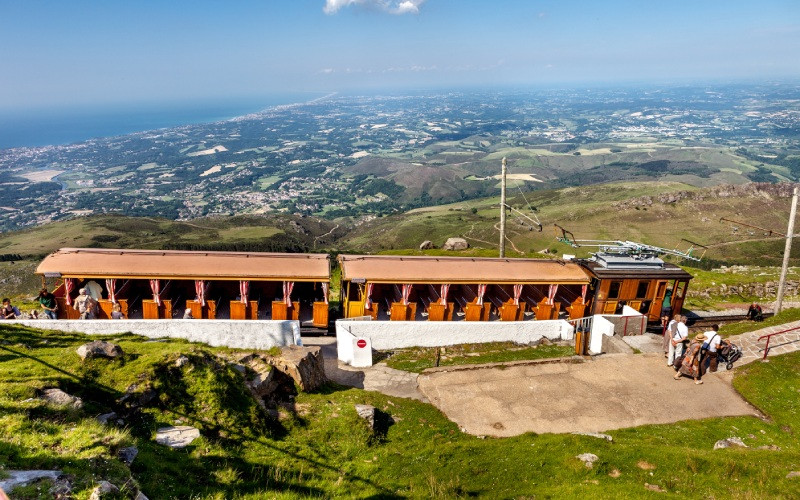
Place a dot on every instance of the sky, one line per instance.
(80, 52)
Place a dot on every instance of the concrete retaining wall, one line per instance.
(600, 327)
(214, 332)
(400, 334)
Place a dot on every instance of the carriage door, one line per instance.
(658, 300)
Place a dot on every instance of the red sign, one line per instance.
(361, 343)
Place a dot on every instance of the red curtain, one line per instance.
(368, 298)
(288, 286)
(200, 292)
(584, 289)
(111, 285)
(551, 294)
(481, 293)
(517, 294)
(325, 292)
(155, 287)
(443, 294)
(244, 291)
(406, 294)
(69, 286)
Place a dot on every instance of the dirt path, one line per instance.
(611, 392)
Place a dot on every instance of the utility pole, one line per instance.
(786, 251)
(503, 211)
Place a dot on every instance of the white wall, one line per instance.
(241, 334)
(600, 326)
(400, 334)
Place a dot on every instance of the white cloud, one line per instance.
(390, 6)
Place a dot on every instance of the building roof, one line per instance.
(668, 271)
(424, 269)
(175, 264)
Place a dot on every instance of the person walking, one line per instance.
(669, 332)
(676, 342)
(48, 302)
(710, 346)
(693, 360)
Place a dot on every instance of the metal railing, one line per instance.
(769, 337)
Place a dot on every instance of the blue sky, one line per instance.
(72, 52)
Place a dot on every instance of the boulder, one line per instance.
(105, 418)
(367, 412)
(104, 489)
(177, 437)
(731, 442)
(62, 488)
(22, 477)
(588, 459)
(60, 398)
(793, 474)
(303, 364)
(455, 244)
(99, 349)
(426, 245)
(128, 455)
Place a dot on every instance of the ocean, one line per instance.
(43, 127)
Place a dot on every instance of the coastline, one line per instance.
(44, 129)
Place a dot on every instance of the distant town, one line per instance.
(366, 156)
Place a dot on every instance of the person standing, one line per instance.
(693, 360)
(669, 332)
(710, 346)
(677, 340)
(666, 304)
(48, 302)
(84, 304)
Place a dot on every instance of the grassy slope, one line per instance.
(322, 449)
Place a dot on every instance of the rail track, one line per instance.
(706, 321)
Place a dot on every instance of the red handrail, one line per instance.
(769, 336)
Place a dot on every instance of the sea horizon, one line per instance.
(61, 126)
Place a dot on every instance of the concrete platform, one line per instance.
(611, 392)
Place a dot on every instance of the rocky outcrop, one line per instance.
(763, 190)
(455, 244)
(104, 489)
(22, 477)
(303, 364)
(177, 437)
(426, 245)
(60, 398)
(731, 442)
(99, 349)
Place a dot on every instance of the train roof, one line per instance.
(645, 271)
(435, 270)
(177, 264)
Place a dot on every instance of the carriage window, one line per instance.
(613, 289)
(641, 290)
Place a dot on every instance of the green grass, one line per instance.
(419, 358)
(318, 447)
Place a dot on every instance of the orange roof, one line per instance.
(175, 264)
(403, 269)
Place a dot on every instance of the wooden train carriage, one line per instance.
(403, 288)
(639, 283)
(155, 284)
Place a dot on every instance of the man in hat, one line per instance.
(692, 360)
(710, 346)
(84, 304)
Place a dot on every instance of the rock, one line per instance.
(655, 487)
(545, 341)
(61, 489)
(99, 349)
(455, 244)
(729, 443)
(367, 412)
(103, 489)
(22, 477)
(128, 455)
(177, 437)
(595, 435)
(588, 459)
(182, 360)
(770, 447)
(615, 473)
(60, 398)
(426, 245)
(793, 474)
(303, 364)
(645, 465)
(106, 417)
(136, 396)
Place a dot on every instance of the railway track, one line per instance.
(699, 322)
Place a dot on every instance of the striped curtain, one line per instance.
(517, 294)
(288, 286)
(368, 298)
(155, 287)
(406, 294)
(69, 286)
(244, 291)
(200, 292)
(325, 292)
(584, 289)
(551, 294)
(481, 293)
(111, 285)
(443, 294)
